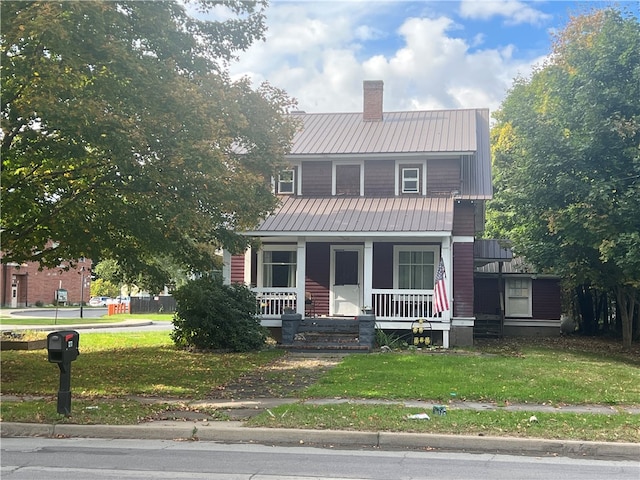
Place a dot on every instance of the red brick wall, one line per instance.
(35, 286)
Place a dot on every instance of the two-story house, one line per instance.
(370, 204)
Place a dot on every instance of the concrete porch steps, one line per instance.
(323, 334)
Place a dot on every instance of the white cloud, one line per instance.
(515, 12)
(320, 52)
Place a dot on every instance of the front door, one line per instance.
(346, 268)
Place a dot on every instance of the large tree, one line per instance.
(123, 136)
(567, 160)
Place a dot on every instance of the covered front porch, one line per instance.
(348, 277)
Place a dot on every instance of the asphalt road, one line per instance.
(87, 312)
(75, 459)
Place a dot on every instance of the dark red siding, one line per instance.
(237, 269)
(316, 179)
(463, 279)
(378, 178)
(487, 295)
(546, 299)
(443, 176)
(464, 219)
(382, 265)
(317, 281)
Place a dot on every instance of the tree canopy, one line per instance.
(124, 137)
(566, 152)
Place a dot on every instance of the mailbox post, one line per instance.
(62, 348)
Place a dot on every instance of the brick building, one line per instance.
(26, 285)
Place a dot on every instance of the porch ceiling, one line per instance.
(359, 215)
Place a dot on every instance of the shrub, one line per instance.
(211, 315)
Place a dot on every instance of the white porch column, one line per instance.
(368, 274)
(226, 267)
(447, 259)
(301, 274)
(247, 266)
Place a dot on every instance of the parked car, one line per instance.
(99, 301)
(119, 299)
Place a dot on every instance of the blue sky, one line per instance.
(430, 55)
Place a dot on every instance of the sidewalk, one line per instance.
(235, 432)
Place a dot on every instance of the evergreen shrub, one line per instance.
(213, 316)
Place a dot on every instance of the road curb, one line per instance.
(234, 432)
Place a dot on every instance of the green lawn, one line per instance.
(536, 375)
(131, 363)
(112, 367)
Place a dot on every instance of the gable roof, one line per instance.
(359, 216)
(438, 133)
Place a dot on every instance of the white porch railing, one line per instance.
(273, 302)
(401, 304)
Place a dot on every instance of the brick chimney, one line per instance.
(372, 108)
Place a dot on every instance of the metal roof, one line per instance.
(517, 265)
(341, 215)
(398, 132)
(438, 132)
(492, 250)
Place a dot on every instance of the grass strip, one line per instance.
(619, 427)
(98, 412)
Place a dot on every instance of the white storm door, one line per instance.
(346, 280)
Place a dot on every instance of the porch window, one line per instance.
(285, 182)
(518, 302)
(414, 267)
(410, 180)
(279, 268)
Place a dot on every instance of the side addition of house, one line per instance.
(371, 203)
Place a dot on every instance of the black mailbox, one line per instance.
(62, 348)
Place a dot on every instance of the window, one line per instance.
(414, 267)
(278, 268)
(518, 302)
(347, 180)
(410, 180)
(285, 182)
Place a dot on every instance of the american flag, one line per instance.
(440, 299)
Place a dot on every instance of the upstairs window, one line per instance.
(286, 182)
(410, 180)
(347, 180)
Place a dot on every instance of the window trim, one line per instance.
(334, 166)
(413, 248)
(405, 180)
(421, 165)
(292, 182)
(261, 263)
(507, 287)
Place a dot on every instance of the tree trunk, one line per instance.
(585, 302)
(626, 304)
